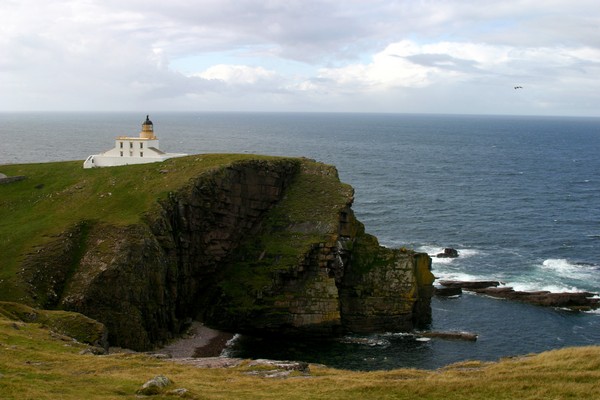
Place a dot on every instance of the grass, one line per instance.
(56, 196)
(75, 325)
(34, 364)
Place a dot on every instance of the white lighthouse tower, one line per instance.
(132, 150)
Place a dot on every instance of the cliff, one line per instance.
(254, 244)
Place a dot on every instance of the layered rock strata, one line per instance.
(264, 246)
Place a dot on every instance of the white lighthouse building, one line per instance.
(132, 150)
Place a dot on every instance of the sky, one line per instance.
(410, 56)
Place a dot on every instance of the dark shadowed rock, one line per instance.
(448, 253)
(577, 301)
(451, 335)
(469, 285)
(445, 291)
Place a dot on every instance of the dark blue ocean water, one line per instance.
(517, 196)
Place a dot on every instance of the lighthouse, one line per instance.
(142, 149)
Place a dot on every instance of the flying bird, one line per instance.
(518, 87)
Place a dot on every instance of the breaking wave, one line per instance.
(552, 274)
(566, 268)
(433, 250)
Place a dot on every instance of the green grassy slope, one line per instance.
(55, 196)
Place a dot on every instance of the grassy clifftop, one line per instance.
(142, 248)
(56, 196)
(34, 363)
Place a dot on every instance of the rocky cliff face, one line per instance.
(254, 246)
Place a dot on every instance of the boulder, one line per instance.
(93, 350)
(154, 386)
(448, 253)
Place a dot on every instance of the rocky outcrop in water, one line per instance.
(448, 253)
(576, 301)
(469, 285)
(262, 246)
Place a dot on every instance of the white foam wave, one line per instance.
(434, 250)
(427, 249)
(564, 268)
(399, 334)
(560, 266)
(437, 261)
(458, 276)
(521, 284)
(539, 286)
(365, 341)
(554, 275)
(226, 352)
(558, 275)
(469, 252)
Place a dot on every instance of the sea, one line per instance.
(517, 196)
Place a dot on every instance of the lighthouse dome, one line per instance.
(147, 129)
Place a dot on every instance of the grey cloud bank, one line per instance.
(376, 56)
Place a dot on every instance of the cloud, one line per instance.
(409, 64)
(238, 75)
(312, 54)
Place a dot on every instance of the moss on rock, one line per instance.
(72, 324)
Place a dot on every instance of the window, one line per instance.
(131, 145)
(141, 154)
(121, 143)
(141, 145)
(121, 152)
